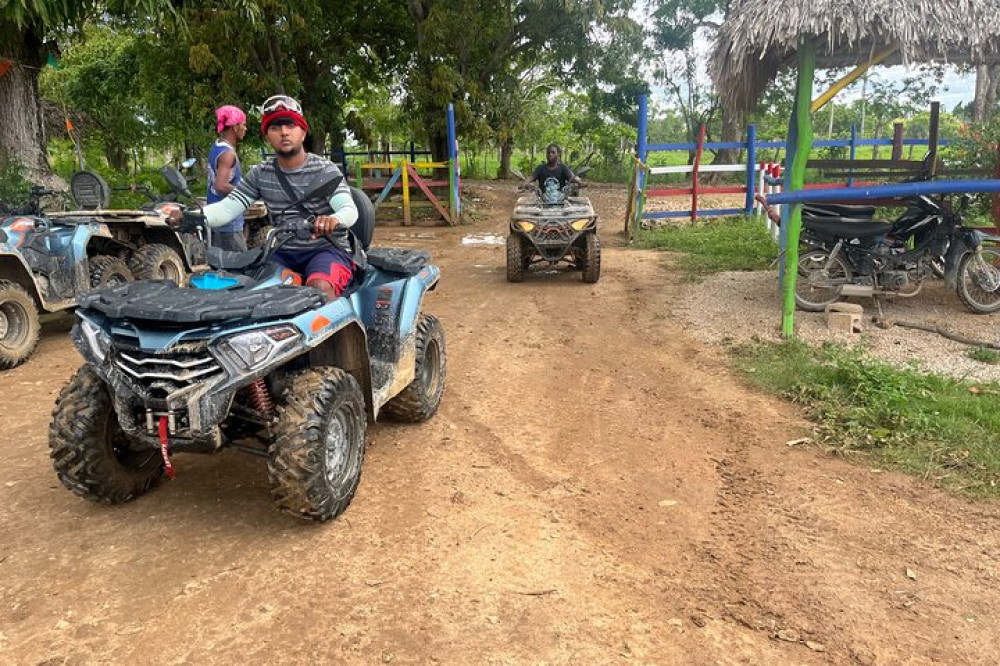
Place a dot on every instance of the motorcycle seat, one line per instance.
(846, 227)
(838, 210)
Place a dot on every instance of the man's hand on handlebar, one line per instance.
(325, 224)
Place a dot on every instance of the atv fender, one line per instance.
(346, 348)
(14, 269)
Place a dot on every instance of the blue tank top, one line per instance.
(218, 148)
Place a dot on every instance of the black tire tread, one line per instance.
(145, 262)
(592, 259)
(103, 266)
(963, 294)
(79, 453)
(10, 357)
(297, 458)
(515, 258)
(413, 405)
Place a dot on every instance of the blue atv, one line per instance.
(247, 359)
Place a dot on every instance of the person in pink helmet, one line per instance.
(224, 173)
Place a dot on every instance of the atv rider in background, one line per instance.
(224, 173)
(553, 175)
(325, 260)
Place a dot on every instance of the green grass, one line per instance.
(928, 425)
(984, 355)
(725, 244)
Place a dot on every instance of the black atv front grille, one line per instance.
(162, 374)
(552, 233)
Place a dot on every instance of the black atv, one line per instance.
(551, 227)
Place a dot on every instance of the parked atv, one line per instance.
(248, 360)
(46, 261)
(551, 227)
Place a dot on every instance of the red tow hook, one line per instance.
(165, 448)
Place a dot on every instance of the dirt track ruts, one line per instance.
(597, 488)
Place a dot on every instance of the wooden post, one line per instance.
(796, 180)
(694, 174)
(932, 136)
(897, 141)
(406, 193)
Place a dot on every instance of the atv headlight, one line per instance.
(254, 349)
(525, 225)
(97, 340)
(580, 225)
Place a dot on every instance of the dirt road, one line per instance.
(597, 488)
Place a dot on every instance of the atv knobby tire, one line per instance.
(420, 399)
(315, 460)
(108, 271)
(591, 258)
(19, 325)
(91, 454)
(156, 261)
(515, 258)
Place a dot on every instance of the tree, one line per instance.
(97, 77)
(25, 27)
(471, 53)
(676, 24)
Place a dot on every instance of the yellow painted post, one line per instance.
(406, 194)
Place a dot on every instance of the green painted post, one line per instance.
(796, 180)
(359, 178)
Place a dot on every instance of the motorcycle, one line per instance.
(848, 253)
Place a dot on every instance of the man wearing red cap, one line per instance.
(224, 173)
(325, 260)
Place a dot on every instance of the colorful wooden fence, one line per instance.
(404, 176)
(753, 174)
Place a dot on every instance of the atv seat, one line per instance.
(226, 260)
(398, 260)
(164, 301)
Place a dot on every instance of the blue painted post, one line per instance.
(640, 153)
(456, 174)
(751, 164)
(854, 152)
(790, 143)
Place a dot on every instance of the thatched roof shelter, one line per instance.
(761, 37)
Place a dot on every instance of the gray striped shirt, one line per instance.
(262, 183)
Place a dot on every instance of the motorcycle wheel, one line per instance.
(814, 288)
(979, 280)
